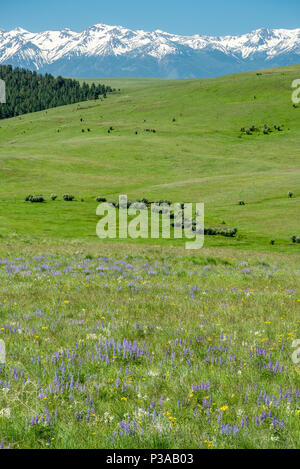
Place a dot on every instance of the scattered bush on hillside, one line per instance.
(290, 194)
(68, 197)
(100, 199)
(272, 242)
(295, 239)
(192, 224)
(53, 197)
(227, 232)
(35, 199)
(266, 130)
(241, 202)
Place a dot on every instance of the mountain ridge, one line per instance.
(104, 50)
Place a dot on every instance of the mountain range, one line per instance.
(115, 51)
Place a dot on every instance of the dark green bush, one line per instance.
(100, 199)
(53, 197)
(37, 199)
(68, 197)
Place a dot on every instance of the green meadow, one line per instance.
(142, 343)
(111, 346)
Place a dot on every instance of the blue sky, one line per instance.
(176, 16)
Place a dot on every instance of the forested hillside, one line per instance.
(28, 91)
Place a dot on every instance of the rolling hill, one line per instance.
(198, 153)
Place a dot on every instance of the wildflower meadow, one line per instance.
(146, 347)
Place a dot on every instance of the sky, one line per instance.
(211, 17)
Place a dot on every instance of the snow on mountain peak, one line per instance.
(103, 41)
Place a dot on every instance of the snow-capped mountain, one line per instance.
(106, 51)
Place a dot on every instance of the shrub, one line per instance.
(266, 129)
(290, 195)
(68, 197)
(295, 239)
(272, 242)
(192, 224)
(53, 197)
(37, 199)
(28, 198)
(100, 199)
(241, 202)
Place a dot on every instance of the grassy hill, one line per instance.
(115, 346)
(198, 154)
